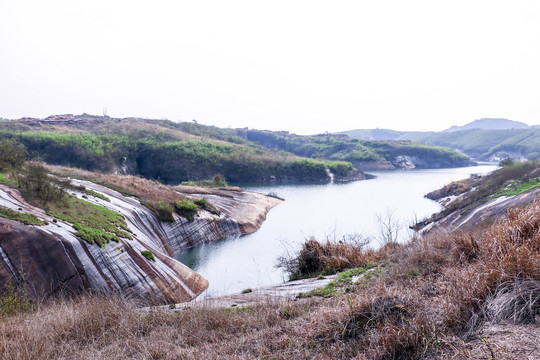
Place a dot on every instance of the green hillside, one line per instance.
(160, 150)
(482, 144)
(175, 152)
(339, 147)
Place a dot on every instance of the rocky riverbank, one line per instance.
(484, 213)
(481, 200)
(51, 259)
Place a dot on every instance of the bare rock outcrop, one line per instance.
(482, 215)
(51, 258)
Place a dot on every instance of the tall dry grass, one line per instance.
(316, 258)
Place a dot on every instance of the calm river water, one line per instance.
(319, 210)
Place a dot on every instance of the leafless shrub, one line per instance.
(389, 227)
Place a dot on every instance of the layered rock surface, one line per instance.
(485, 213)
(51, 258)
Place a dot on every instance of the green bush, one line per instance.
(35, 185)
(12, 154)
(507, 162)
(148, 254)
(164, 212)
(220, 181)
(13, 300)
(205, 205)
(187, 209)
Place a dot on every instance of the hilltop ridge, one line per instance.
(490, 124)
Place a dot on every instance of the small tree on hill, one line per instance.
(12, 154)
(35, 184)
(507, 162)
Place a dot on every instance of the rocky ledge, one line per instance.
(51, 259)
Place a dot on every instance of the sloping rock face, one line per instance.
(27, 253)
(483, 215)
(50, 259)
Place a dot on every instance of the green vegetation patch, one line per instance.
(13, 300)
(148, 254)
(27, 219)
(342, 281)
(518, 187)
(6, 179)
(94, 223)
(205, 205)
(12, 154)
(163, 211)
(187, 209)
(96, 194)
(86, 191)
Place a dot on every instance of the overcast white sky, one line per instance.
(304, 66)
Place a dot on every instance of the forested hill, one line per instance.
(359, 152)
(182, 151)
(334, 146)
(160, 149)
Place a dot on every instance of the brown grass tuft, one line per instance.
(516, 302)
(325, 258)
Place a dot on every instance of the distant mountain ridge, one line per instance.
(483, 139)
(490, 124)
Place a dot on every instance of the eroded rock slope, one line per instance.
(49, 259)
(485, 213)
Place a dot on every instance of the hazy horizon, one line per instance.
(302, 66)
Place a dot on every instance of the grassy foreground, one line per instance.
(434, 297)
